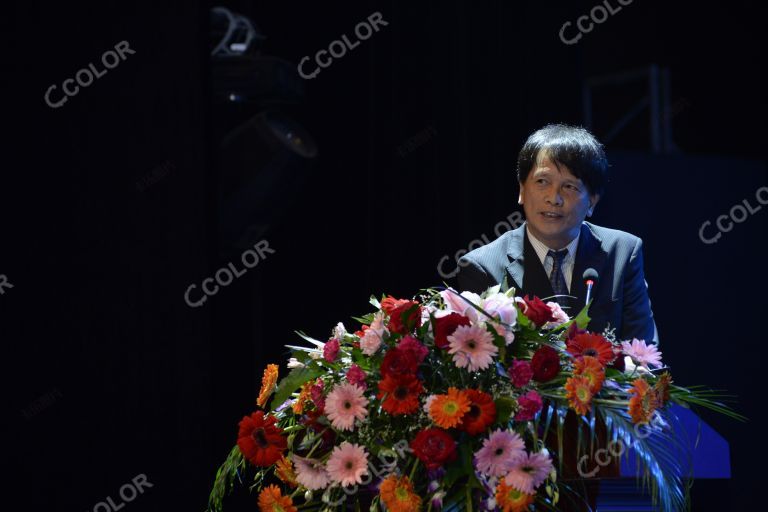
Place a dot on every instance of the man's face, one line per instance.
(555, 203)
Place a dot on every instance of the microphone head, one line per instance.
(590, 275)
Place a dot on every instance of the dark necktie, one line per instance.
(556, 278)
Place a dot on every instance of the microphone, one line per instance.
(590, 278)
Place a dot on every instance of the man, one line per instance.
(562, 171)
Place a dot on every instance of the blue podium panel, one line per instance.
(701, 451)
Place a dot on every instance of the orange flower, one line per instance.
(397, 494)
(579, 394)
(589, 344)
(271, 499)
(644, 402)
(389, 303)
(268, 381)
(449, 409)
(510, 499)
(284, 471)
(662, 388)
(304, 397)
(482, 412)
(590, 367)
(402, 394)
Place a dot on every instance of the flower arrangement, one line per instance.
(451, 401)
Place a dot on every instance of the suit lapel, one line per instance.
(515, 269)
(524, 271)
(589, 254)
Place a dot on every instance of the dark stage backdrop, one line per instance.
(111, 205)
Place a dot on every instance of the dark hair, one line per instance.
(571, 146)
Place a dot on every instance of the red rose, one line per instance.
(399, 362)
(545, 364)
(445, 325)
(411, 311)
(434, 447)
(537, 311)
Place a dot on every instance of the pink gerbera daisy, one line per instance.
(529, 471)
(344, 404)
(641, 353)
(311, 473)
(348, 464)
(472, 347)
(499, 453)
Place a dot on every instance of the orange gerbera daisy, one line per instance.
(304, 396)
(588, 344)
(397, 494)
(449, 409)
(268, 381)
(482, 412)
(662, 388)
(285, 472)
(590, 368)
(510, 499)
(271, 499)
(644, 401)
(402, 394)
(579, 394)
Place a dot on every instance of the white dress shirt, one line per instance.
(548, 262)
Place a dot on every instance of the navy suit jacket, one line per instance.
(620, 297)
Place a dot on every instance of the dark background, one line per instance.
(111, 206)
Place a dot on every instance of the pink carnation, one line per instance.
(530, 403)
(356, 375)
(331, 350)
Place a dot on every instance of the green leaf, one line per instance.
(292, 382)
(582, 319)
(504, 408)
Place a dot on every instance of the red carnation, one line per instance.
(411, 310)
(331, 350)
(445, 325)
(434, 447)
(530, 403)
(618, 363)
(414, 346)
(537, 311)
(573, 331)
(389, 303)
(399, 362)
(259, 440)
(520, 373)
(545, 364)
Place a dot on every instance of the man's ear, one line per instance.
(520, 196)
(593, 199)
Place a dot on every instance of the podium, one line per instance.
(708, 459)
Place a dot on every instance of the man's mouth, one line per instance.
(551, 215)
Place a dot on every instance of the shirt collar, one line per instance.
(542, 249)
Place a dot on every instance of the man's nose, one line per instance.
(555, 199)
